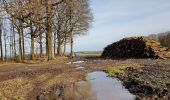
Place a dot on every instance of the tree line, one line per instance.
(41, 27)
(163, 38)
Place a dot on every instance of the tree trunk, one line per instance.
(71, 36)
(14, 43)
(55, 43)
(20, 45)
(59, 53)
(41, 48)
(32, 43)
(23, 44)
(5, 46)
(1, 44)
(71, 53)
(47, 49)
(11, 47)
(65, 43)
(49, 46)
(64, 51)
(54, 48)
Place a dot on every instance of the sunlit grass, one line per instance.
(168, 54)
(90, 54)
(120, 69)
(37, 63)
(116, 70)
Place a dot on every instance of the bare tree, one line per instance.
(5, 39)
(80, 19)
(55, 21)
(1, 25)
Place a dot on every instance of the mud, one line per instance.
(148, 82)
(26, 81)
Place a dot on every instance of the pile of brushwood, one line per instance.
(136, 47)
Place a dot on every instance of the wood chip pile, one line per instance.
(135, 47)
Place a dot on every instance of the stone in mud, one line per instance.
(135, 47)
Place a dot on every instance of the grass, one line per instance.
(37, 63)
(168, 54)
(120, 69)
(90, 54)
(116, 70)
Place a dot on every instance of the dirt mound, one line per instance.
(135, 47)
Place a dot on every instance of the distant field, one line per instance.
(90, 54)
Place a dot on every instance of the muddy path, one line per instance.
(25, 81)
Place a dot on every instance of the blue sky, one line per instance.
(116, 19)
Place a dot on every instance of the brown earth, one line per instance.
(150, 81)
(25, 81)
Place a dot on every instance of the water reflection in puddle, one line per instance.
(107, 88)
(96, 87)
(80, 91)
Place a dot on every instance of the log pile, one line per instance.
(135, 47)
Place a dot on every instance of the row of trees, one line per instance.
(164, 38)
(41, 23)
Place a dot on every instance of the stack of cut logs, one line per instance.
(135, 47)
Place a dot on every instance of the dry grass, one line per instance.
(24, 81)
(168, 54)
(90, 54)
(36, 63)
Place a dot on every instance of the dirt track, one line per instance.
(26, 81)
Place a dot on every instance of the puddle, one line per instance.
(107, 88)
(79, 68)
(76, 62)
(80, 91)
(96, 87)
